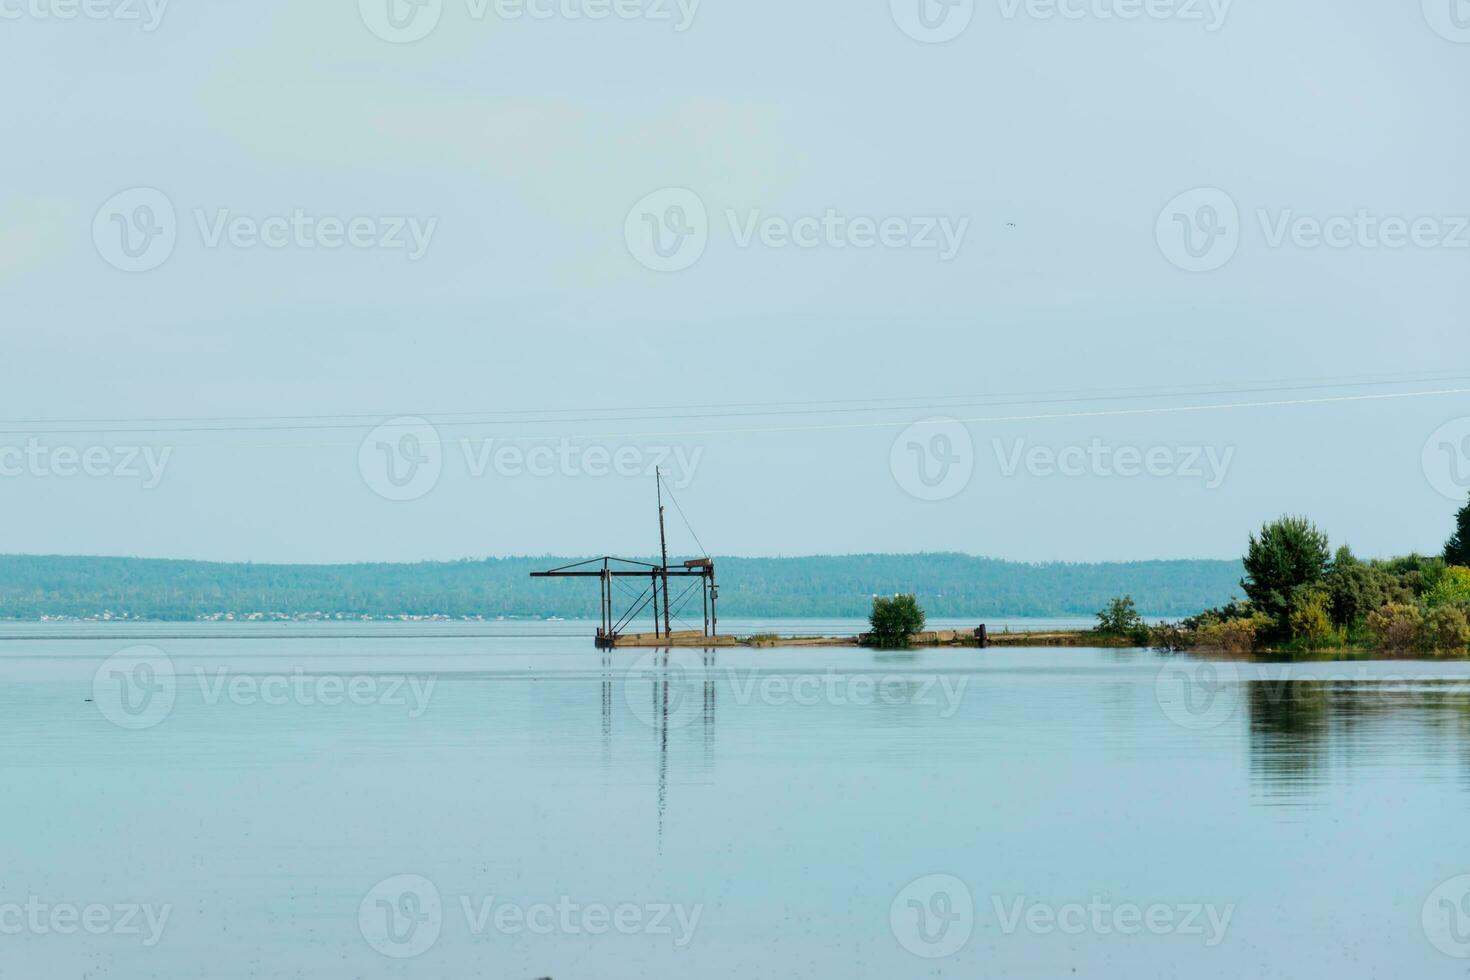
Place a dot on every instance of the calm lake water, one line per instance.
(410, 801)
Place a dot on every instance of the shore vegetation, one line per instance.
(1301, 597)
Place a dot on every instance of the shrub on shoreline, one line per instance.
(1300, 600)
(895, 621)
(1446, 630)
(1237, 634)
(1311, 621)
(1121, 619)
(1396, 626)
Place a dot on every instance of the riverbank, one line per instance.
(1052, 639)
(934, 638)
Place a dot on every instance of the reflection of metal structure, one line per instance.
(608, 570)
(662, 675)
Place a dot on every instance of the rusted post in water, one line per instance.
(655, 602)
(606, 603)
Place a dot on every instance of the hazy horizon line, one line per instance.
(548, 556)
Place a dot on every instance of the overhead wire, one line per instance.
(519, 417)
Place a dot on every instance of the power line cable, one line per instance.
(206, 424)
(692, 533)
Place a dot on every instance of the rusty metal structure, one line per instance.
(610, 571)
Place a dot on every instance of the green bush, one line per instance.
(1121, 619)
(1238, 634)
(1445, 630)
(1396, 626)
(895, 621)
(1451, 588)
(1311, 621)
(1357, 588)
(1415, 573)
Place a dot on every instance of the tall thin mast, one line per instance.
(663, 543)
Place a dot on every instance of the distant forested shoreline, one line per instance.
(37, 587)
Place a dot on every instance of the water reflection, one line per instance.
(1311, 729)
(671, 686)
(1288, 743)
(1308, 735)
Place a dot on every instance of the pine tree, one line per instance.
(1290, 554)
(1457, 548)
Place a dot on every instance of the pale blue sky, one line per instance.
(1055, 142)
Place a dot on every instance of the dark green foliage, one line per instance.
(1457, 548)
(895, 621)
(1234, 609)
(1445, 631)
(949, 585)
(1121, 618)
(1300, 602)
(1356, 588)
(1415, 572)
(1290, 554)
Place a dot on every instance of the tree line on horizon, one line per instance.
(949, 585)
